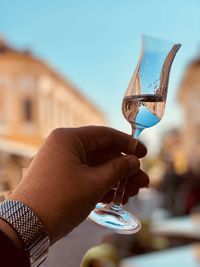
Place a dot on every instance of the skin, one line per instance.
(75, 169)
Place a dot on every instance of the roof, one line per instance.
(6, 49)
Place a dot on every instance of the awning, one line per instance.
(18, 148)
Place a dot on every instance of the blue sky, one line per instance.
(96, 44)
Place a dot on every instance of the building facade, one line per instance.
(189, 98)
(35, 99)
(182, 146)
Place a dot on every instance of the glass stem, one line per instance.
(118, 197)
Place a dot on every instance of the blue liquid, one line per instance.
(143, 111)
(145, 118)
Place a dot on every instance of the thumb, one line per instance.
(117, 169)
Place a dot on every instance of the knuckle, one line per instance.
(135, 164)
(147, 180)
(60, 134)
(132, 190)
(57, 133)
(120, 168)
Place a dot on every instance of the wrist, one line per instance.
(35, 202)
(50, 215)
(28, 232)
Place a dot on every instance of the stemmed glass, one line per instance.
(143, 107)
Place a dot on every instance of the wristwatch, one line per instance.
(29, 228)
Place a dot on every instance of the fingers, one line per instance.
(109, 197)
(98, 138)
(109, 173)
(135, 147)
(135, 182)
(90, 142)
(140, 150)
(102, 157)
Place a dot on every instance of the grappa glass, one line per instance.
(143, 107)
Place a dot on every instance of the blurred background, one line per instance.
(68, 63)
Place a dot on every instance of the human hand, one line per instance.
(74, 169)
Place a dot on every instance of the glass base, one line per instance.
(119, 220)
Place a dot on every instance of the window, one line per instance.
(27, 110)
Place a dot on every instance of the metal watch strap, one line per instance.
(29, 227)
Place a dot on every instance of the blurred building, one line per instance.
(182, 146)
(173, 150)
(34, 99)
(189, 98)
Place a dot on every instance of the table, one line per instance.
(185, 227)
(187, 256)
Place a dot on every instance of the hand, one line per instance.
(74, 169)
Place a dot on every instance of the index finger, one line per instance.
(100, 138)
